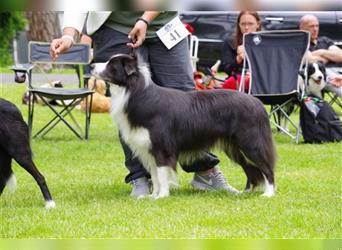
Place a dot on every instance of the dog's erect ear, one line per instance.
(130, 66)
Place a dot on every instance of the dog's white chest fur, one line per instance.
(137, 138)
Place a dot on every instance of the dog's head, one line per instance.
(117, 70)
(316, 78)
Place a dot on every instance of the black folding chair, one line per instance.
(39, 53)
(274, 59)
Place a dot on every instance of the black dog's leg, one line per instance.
(253, 174)
(5, 168)
(25, 160)
(260, 164)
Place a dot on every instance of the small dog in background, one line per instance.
(36, 99)
(15, 144)
(101, 103)
(316, 79)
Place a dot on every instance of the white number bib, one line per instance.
(172, 33)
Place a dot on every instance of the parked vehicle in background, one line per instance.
(211, 27)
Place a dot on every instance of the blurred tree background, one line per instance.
(44, 26)
(10, 23)
(39, 25)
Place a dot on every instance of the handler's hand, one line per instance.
(337, 81)
(137, 35)
(58, 46)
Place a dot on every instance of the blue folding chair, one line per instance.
(39, 53)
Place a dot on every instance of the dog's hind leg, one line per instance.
(264, 159)
(6, 175)
(260, 168)
(253, 174)
(25, 161)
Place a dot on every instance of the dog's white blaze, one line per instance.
(12, 183)
(99, 67)
(317, 74)
(269, 189)
(50, 204)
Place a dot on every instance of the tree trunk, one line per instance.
(44, 26)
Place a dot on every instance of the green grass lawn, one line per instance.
(86, 179)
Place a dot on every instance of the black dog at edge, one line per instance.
(15, 144)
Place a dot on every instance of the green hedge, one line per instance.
(10, 23)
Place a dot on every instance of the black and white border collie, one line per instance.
(315, 83)
(163, 125)
(316, 79)
(15, 144)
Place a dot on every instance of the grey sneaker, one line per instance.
(212, 181)
(141, 188)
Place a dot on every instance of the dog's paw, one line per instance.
(269, 190)
(50, 204)
(162, 195)
(268, 194)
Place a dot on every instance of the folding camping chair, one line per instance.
(274, 59)
(39, 53)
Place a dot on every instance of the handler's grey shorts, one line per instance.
(169, 68)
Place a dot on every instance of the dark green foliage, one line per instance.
(10, 23)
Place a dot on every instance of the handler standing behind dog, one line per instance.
(322, 49)
(120, 32)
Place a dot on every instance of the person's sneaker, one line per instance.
(212, 181)
(141, 188)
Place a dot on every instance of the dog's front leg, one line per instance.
(164, 184)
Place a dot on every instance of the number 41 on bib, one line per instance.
(172, 33)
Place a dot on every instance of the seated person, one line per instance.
(233, 52)
(323, 49)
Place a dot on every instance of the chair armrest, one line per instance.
(25, 68)
(21, 70)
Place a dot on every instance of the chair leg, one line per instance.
(88, 115)
(30, 113)
(275, 113)
(65, 111)
(74, 103)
